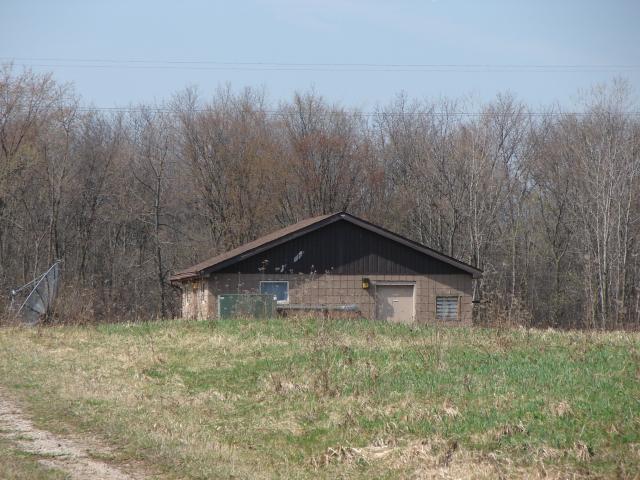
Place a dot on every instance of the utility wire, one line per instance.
(285, 113)
(289, 64)
(87, 63)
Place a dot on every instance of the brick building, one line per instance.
(336, 262)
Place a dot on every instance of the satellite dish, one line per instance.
(40, 295)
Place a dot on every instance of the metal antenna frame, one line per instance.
(35, 288)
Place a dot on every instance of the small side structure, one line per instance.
(336, 263)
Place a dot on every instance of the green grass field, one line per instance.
(358, 399)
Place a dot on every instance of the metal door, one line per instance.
(395, 303)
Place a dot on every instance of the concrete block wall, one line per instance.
(195, 299)
(334, 290)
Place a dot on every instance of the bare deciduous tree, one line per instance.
(546, 205)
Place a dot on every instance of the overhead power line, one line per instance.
(343, 64)
(95, 63)
(381, 113)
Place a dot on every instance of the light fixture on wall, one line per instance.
(365, 283)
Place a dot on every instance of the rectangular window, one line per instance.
(279, 290)
(446, 308)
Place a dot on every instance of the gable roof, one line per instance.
(301, 228)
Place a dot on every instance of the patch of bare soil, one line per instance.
(70, 455)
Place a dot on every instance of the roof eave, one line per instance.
(183, 276)
(475, 272)
(190, 274)
(273, 243)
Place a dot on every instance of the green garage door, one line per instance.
(233, 305)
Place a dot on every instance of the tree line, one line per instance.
(545, 201)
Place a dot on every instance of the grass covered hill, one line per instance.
(359, 399)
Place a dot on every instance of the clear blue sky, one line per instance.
(533, 32)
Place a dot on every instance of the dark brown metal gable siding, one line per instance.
(343, 248)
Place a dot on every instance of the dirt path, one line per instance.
(63, 453)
